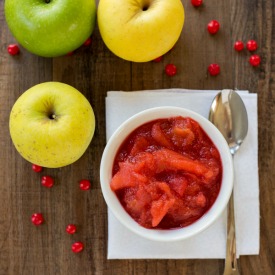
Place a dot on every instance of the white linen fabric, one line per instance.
(211, 243)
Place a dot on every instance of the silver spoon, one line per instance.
(229, 115)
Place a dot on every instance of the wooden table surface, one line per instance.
(26, 249)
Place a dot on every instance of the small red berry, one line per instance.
(213, 26)
(13, 49)
(37, 168)
(84, 184)
(255, 60)
(196, 3)
(37, 219)
(77, 247)
(158, 59)
(71, 228)
(170, 69)
(47, 181)
(238, 46)
(70, 53)
(214, 69)
(251, 45)
(88, 42)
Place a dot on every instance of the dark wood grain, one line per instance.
(94, 70)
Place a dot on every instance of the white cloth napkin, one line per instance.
(211, 243)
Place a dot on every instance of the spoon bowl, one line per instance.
(228, 114)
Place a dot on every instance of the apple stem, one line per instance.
(145, 8)
(47, 1)
(145, 5)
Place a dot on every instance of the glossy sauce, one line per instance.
(167, 173)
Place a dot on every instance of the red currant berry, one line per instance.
(213, 26)
(70, 53)
(13, 49)
(84, 184)
(71, 228)
(158, 59)
(88, 42)
(170, 69)
(214, 69)
(37, 219)
(238, 46)
(255, 60)
(77, 247)
(37, 168)
(196, 3)
(47, 181)
(251, 45)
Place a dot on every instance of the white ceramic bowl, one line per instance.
(107, 164)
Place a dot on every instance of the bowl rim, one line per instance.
(106, 165)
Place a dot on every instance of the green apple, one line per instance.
(140, 30)
(52, 124)
(50, 28)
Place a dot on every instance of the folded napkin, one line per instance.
(211, 243)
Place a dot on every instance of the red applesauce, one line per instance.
(167, 173)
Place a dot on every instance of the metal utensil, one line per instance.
(229, 115)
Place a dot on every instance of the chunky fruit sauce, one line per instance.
(167, 173)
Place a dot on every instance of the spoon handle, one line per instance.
(231, 266)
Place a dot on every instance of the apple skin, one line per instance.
(50, 29)
(52, 124)
(140, 30)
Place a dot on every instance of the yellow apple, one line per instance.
(52, 124)
(140, 30)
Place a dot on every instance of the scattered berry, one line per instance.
(47, 181)
(77, 247)
(71, 228)
(88, 42)
(255, 60)
(13, 49)
(84, 184)
(158, 59)
(70, 53)
(213, 26)
(170, 69)
(214, 69)
(37, 219)
(251, 45)
(238, 46)
(196, 3)
(37, 168)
